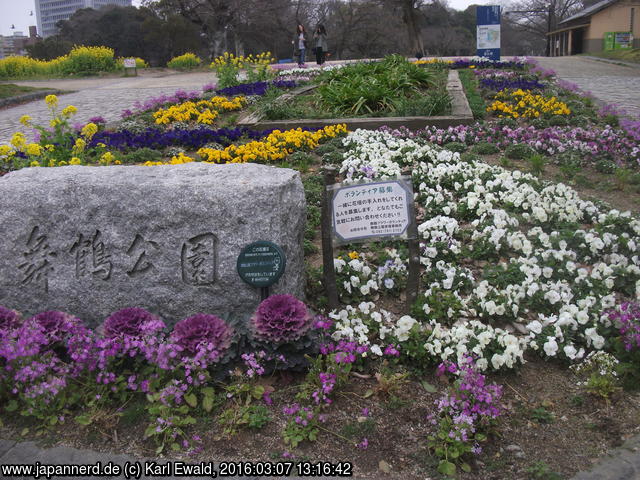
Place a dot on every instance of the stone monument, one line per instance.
(92, 240)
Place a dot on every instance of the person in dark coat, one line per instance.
(320, 40)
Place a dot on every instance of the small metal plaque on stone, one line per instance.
(261, 264)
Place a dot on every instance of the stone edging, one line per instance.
(623, 463)
(460, 115)
(27, 97)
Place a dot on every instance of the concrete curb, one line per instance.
(28, 97)
(611, 60)
(621, 464)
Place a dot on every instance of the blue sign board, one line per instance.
(488, 31)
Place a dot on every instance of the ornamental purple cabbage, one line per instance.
(281, 318)
(202, 329)
(9, 319)
(132, 321)
(56, 325)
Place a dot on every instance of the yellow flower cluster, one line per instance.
(203, 111)
(175, 160)
(79, 60)
(432, 61)
(276, 146)
(523, 104)
(241, 61)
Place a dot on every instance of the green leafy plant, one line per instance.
(485, 148)
(519, 151)
(537, 163)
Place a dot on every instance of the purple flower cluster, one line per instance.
(190, 138)
(327, 383)
(156, 102)
(202, 331)
(280, 319)
(626, 317)
(343, 351)
(592, 142)
(255, 88)
(497, 85)
(478, 63)
(471, 404)
(303, 415)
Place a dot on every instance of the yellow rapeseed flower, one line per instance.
(34, 150)
(89, 130)
(69, 110)
(51, 100)
(25, 119)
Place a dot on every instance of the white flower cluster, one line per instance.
(368, 326)
(358, 278)
(541, 256)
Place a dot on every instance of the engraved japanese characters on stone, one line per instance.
(92, 257)
(36, 264)
(199, 260)
(143, 251)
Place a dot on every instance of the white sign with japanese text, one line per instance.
(374, 209)
(129, 63)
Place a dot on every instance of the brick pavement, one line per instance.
(105, 97)
(607, 82)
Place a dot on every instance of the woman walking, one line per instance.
(320, 37)
(300, 44)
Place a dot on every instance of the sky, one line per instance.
(16, 12)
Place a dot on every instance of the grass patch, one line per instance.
(8, 90)
(628, 55)
(470, 85)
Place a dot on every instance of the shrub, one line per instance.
(281, 319)
(518, 151)
(131, 322)
(202, 329)
(455, 147)
(605, 166)
(184, 62)
(485, 148)
(89, 60)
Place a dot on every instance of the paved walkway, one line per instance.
(105, 97)
(607, 82)
(29, 454)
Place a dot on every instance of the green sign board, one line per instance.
(261, 264)
(618, 40)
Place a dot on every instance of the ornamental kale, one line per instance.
(281, 319)
(131, 322)
(9, 319)
(202, 330)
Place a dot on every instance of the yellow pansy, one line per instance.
(34, 164)
(75, 161)
(353, 255)
(34, 150)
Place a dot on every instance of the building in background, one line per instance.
(606, 25)
(50, 12)
(16, 44)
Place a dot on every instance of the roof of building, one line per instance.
(587, 12)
